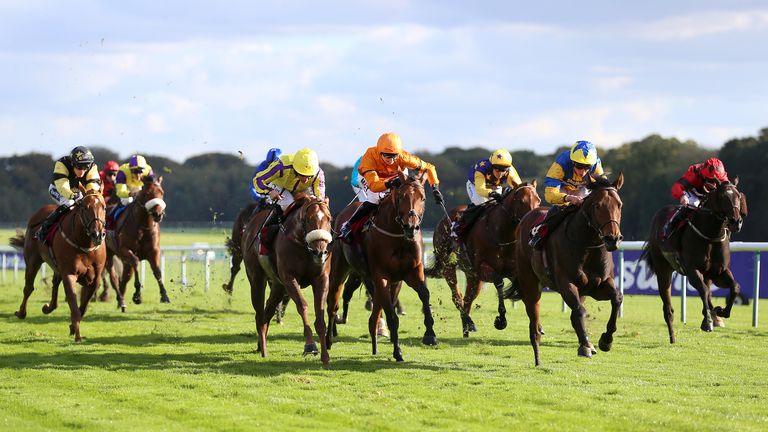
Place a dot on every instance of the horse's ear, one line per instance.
(743, 205)
(160, 180)
(735, 181)
(82, 188)
(534, 184)
(327, 200)
(619, 182)
(422, 178)
(401, 175)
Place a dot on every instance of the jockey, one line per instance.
(69, 173)
(288, 175)
(379, 168)
(564, 183)
(697, 181)
(484, 182)
(130, 178)
(108, 175)
(272, 155)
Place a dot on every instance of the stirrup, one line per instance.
(344, 231)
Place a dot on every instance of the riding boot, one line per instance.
(46, 224)
(671, 225)
(359, 213)
(537, 236)
(269, 229)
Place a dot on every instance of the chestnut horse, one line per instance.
(297, 258)
(575, 261)
(137, 237)
(487, 253)
(76, 255)
(700, 250)
(392, 250)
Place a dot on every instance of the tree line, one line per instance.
(214, 187)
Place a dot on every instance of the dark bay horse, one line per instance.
(299, 257)
(575, 261)
(700, 250)
(137, 237)
(488, 253)
(390, 251)
(233, 244)
(76, 255)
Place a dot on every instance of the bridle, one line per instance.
(309, 236)
(95, 235)
(720, 216)
(409, 232)
(589, 218)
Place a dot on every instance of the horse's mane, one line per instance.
(599, 183)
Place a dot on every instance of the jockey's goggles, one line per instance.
(83, 166)
(111, 173)
(389, 155)
(582, 166)
(500, 168)
(136, 170)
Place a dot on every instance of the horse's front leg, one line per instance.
(393, 321)
(726, 280)
(131, 267)
(293, 289)
(419, 284)
(570, 293)
(607, 291)
(474, 283)
(500, 323)
(75, 316)
(320, 293)
(379, 298)
(154, 263)
(696, 279)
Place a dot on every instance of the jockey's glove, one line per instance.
(438, 196)
(393, 183)
(77, 196)
(495, 195)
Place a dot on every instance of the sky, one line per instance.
(180, 78)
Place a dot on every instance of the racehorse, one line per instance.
(388, 252)
(574, 261)
(233, 244)
(137, 237)
(487, 253)
(298, 258)
(700, 250)
(75, 254)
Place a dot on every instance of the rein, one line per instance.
(79, 213)
(588, 219)
(396, 200)
(514, 219)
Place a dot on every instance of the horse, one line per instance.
(233, 244)
(700, 250)
(137, 237)
(298, 258)
(391, 251)
(487, 253)
(574, 261)
(76, 254)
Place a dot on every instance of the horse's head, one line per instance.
(315, 220)
(151, 197)
(602, 209)
(727, 203)
(409, 204)
(522, 199)
(92, 210)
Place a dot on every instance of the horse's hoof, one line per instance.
(20, 314)
(368, 305)
(164, 298)
(48, 308)
(398, 355)
(605, 342)
(122, 308)
(71, 330)
(472, 327)
(340, 320)
(592, 348)
(465, 333)
(227, 288)
(310, 349)
(429, 340)
(672, 339)
(706, 326)
(137, 299)
(585, 351)
(500, 323)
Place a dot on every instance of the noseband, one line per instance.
(309, 236)
(599, 229)
(411, 213)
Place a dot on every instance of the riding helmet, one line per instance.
(305, 162)
(584, 153)
(389, 143)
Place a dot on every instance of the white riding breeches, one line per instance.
(58, 198)
(476, 198)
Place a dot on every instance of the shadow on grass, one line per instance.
(233, 338)
(199, 363)
(62, 314)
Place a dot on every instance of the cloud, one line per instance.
(705, 23)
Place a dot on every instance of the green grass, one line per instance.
(175, 237)
(192, 365)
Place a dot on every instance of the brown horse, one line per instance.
(487, 253)
(699, 250)
(137, 237)
(298, 258)
(390, 251)
(76, 255)
(575, 261)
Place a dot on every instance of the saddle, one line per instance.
(357, 228)
(468, 218)
(546, 224)
(269, 232)
(52, 231)
(113, 216)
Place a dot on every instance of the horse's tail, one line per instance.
(434, 267)
(232, 247)
(647, 256)
(17, 241)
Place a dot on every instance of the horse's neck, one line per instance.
(577, 228)
(707, 222)
(75, 224)
(502, 220)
